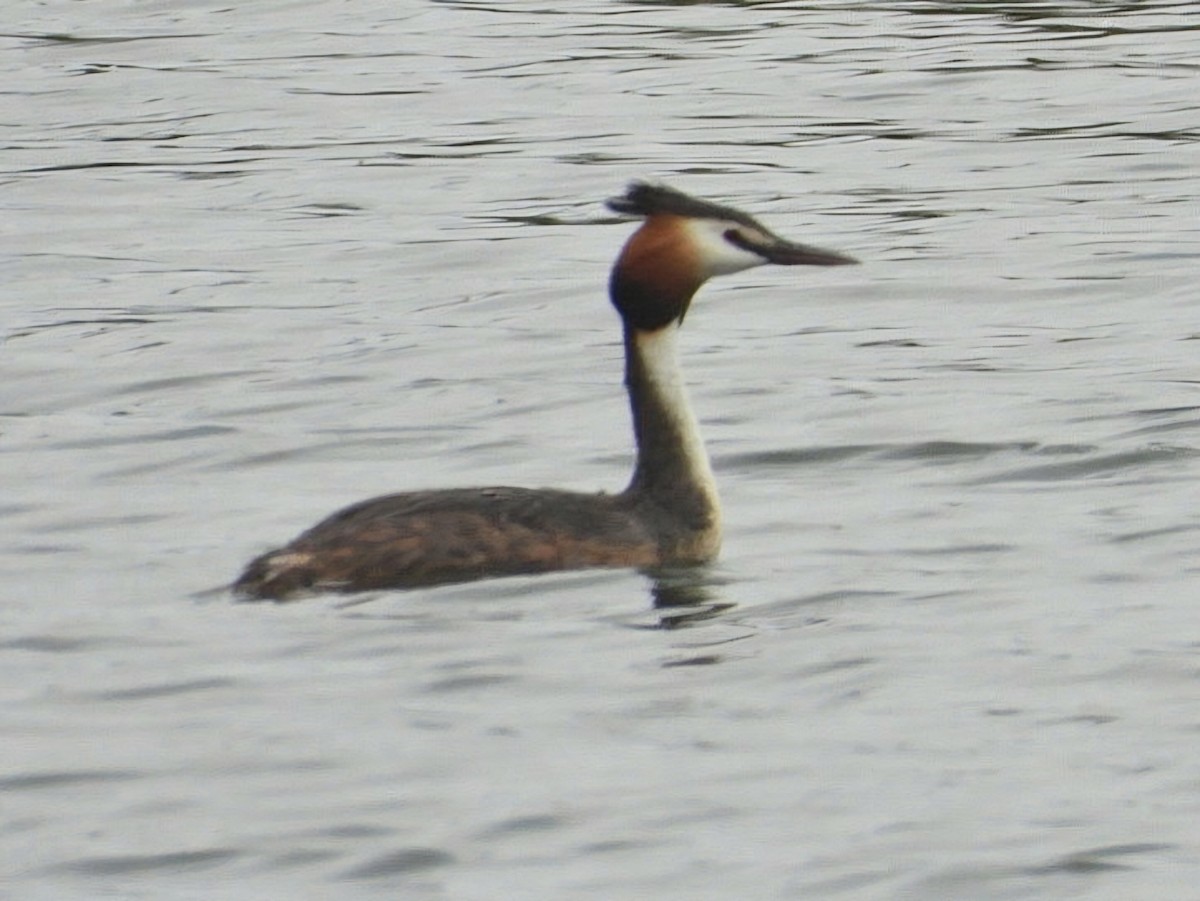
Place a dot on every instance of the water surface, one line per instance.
(260, 262)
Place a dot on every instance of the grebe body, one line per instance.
(669, 513)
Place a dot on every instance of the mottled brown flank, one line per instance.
(427, 538)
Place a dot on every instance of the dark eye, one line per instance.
(737, 239)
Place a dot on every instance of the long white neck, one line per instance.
(673, 471)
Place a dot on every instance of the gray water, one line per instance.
(263, 260)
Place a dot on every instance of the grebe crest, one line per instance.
(668, 514)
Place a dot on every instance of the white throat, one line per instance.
(660, 356)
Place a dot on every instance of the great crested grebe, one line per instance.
(669, 514)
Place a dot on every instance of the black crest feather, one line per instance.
(643, 198)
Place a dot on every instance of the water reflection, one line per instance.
(678, 596)
(685, 596)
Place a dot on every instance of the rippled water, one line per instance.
(261, 261)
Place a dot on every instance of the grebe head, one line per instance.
(684, 242)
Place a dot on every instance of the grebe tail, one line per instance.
(668, 514)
